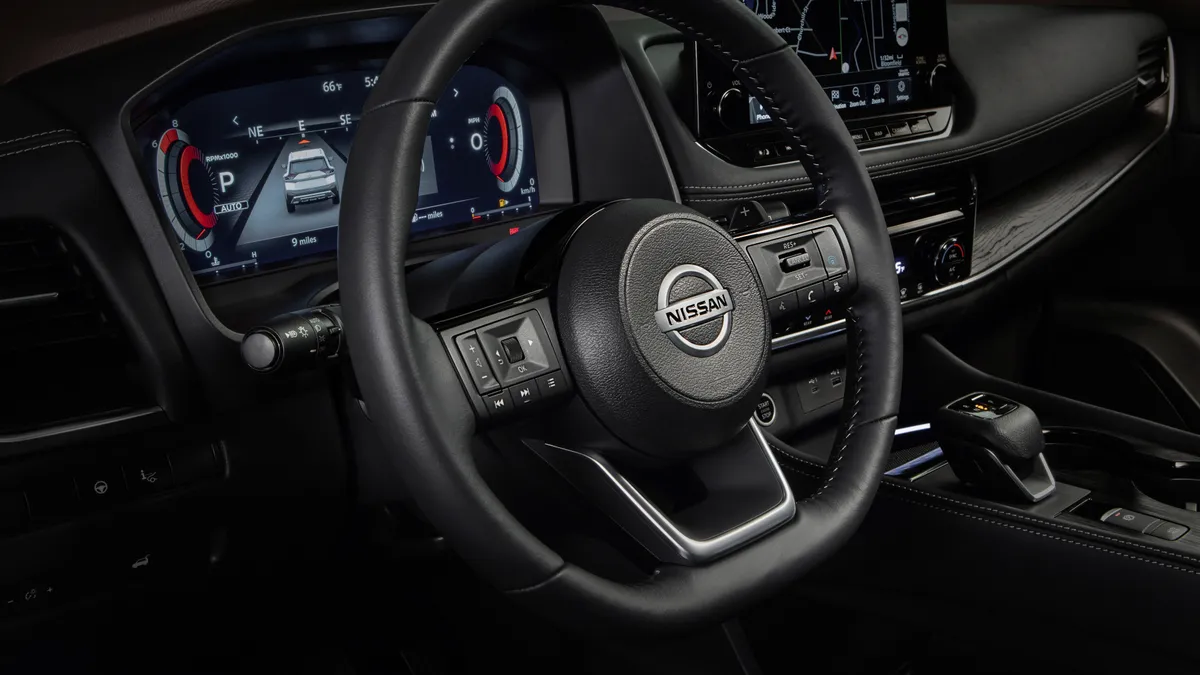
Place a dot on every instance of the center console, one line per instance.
(884, 65)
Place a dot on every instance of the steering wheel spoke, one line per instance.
(691, 513)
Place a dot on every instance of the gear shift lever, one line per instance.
(995, 444)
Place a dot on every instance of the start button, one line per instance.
(764, 412)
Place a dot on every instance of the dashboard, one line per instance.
(198, 173)
(250, 178)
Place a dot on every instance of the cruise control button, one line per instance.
(477, 364)
(498, 405)
(783, 305)
(831, 253)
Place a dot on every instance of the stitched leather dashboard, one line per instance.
(1032, 78)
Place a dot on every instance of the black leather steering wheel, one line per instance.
(417, 400)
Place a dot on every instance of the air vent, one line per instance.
(1153, 71)
(65, 357)
(909, 205)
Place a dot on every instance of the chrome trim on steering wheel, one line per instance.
(641, 519)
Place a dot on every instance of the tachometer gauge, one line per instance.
(187, 190)
(505, 139)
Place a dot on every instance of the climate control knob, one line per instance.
(950, 262)
(731, 109)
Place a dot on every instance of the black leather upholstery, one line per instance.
(418, 403)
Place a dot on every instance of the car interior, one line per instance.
(729, 337)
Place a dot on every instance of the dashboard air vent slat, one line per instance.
(1153, 71)
(911, 205)
(65, 357)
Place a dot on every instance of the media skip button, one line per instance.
(524, 394)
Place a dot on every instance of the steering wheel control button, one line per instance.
(512, 349)
(524, 394)
(795, 261)
(477, 364)
(521, 336)
(498, 405)
(788, 263)
(832, 256)
(783, 305)
(1130, 520)
(836, 289)
(764, 412)
(551, 385)
(811, 296)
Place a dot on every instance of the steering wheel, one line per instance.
(669, 393)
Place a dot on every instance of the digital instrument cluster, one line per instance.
(253, 177)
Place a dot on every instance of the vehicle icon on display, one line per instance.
(309, 178)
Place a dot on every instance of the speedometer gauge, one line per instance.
(187, 190)
(505, 139)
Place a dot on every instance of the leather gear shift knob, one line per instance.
(995, 444)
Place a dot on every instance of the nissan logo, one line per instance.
(675, 317)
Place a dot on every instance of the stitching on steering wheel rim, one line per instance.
(821, 179)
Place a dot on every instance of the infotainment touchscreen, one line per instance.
(865, 53)
(873, 58)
